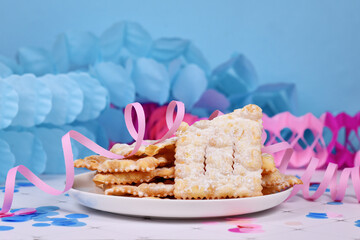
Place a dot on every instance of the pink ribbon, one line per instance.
(337, 190)
(138, 135)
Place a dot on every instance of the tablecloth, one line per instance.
(63, 218)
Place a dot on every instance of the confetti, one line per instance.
(21, 218)
(46, 209)
(317, 215)
(68, 223)
(335, 203)
(41, 225)
(6, 228)
(77, 215)
(357, 223)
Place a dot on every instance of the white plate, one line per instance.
(86, 193)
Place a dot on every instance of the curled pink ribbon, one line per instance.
(138, 135)
(337, 190)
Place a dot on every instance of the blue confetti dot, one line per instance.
(335, 203)
(317, 215)
(42, 219)
(357, 222)
(41, 224)
(66, 194)
(36, 214)
(79, 224)
(77, 215)
(58, 219)
(65, 222)
(6, 228)
(50, 214)
(15, 190)
(45, 209)
(25, 184)
(21, 218)
(68, 223)
(315, 186)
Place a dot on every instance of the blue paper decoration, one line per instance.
(35, 60)
(115, 78)
(237, 79)
(234, 77)
(189, 85)
(82, 150)
(75, 50)
(34, 100)
(51, 142)
(114, 123)
(167, 49)
(67, 99)
(95, 96)
(5, 71)
(151, 80)
(112, 41)
(7, 160)
(61, 55)
(174, 68)
(97, 130)
(137, 40)
(9, 101)
(31, 153)
(275, 98)
(10, 63)
(195, 56)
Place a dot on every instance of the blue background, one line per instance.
(315, 44)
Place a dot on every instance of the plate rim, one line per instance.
(173, 200)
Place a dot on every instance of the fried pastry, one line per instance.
(272, 180)
(133, 177)
(143, 190)
(220, 158)
(268, 164)
(105, 165)
(167, 145)
(286, 182)
(92, 162)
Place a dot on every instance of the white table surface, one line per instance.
(286, 221)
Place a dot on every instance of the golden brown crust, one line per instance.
(105, 165)
(92, 162)
(143, 190)
(150, 150)
(268, 164)
(276, 182)
(133, 177)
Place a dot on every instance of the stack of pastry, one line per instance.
(148, 173)
(212, 159)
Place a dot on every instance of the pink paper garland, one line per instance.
(337, 190)
(298, 125)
